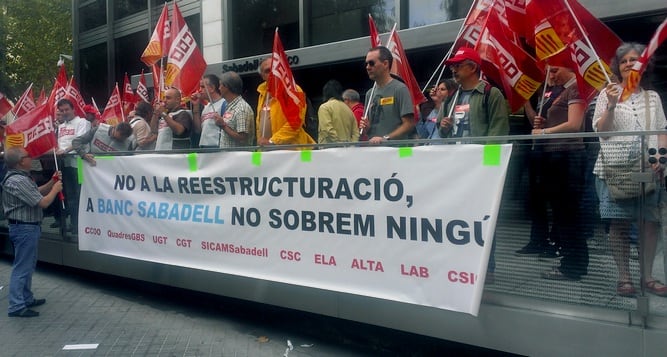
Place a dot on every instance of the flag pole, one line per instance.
(368, 106)
(61, 196)
(163, 71)
(456, 97)
(264, 116)
(210, 100)
(95, 104)
(544, 91)
(588, 41)
(451, 49)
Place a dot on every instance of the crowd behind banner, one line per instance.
(505, 59)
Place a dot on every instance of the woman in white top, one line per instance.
(633, 114)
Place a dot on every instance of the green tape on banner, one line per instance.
(257, 158)
(306, 155)
(79, 170)
(491, 155)
(192, 161)
(404, 152)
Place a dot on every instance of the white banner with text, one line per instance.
(406, 224)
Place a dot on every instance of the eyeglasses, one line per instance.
(628, 60)
(458, 65)
(370, 63)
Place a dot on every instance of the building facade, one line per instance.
(325, 39)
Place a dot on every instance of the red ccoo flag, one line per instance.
(507, 63)
(5, 105)
(62, 74)
(59, 90)
(185, 64)
(142, 90)
(472, 24)
(42, 97)
(564, 34)
(128, 95)
(375, 36)
(281, 85)
(401, 67)
(113, 113)
(26, 103)
(160, 40)
(33, 131)
(640, 66)
(75, 97)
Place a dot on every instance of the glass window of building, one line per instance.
(123, 8)
(92, 14)
(254, 22)
(128, 55)
(427, 12)
(337, 20)
(194, 24)
(93, 79)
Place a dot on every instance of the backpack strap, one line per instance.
(7, 176)
(485, 101)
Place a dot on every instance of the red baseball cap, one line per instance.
(89, 109)
(465, 53)
(92, 110)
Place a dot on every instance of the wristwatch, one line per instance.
(386, 137)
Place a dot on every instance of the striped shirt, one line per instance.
(240, 118)
(20, 197)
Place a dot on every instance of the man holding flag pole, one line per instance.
(390, 114)
(282, 103)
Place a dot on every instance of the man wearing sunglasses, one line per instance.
(390, 112)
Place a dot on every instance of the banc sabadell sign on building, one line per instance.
(251, 65)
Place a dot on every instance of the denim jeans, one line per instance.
(25, 238)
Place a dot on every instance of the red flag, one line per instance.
(34, 131)
(559, 39)
(515, 15)
(401, 67)
(113, 113)
(281, 85)
(142, 90)
(5, 105)
(506, 63)
(62, 74)
(640, 66)
(160, 41)
(185, 64)
(472, 25)
(128, 95)
(57, 93)
(75, 97)
(59, 90)
(375, 36)
(157, 76)
(42, 97)
(26, 103)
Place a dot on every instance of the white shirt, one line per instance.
(210, 132)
